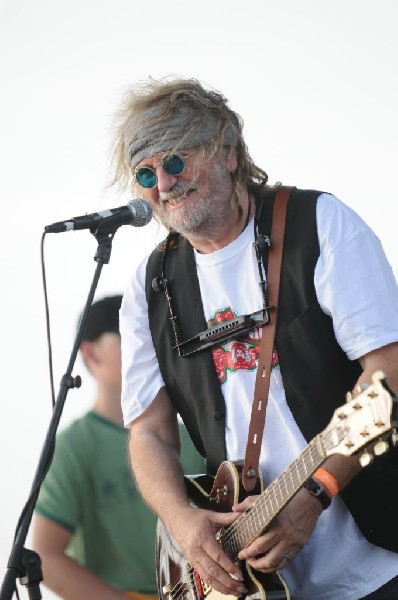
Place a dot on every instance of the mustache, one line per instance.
(179, 190)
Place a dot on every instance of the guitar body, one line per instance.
(176, 578)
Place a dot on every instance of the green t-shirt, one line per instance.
(89, 490)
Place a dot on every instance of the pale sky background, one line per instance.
(315, 82)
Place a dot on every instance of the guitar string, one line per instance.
(179, 588)
(313, 452)
(267, 502)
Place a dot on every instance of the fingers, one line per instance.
(245, 505)
(268, 564)
(274, 560)
(287, 559)
(218, 571)
(269, 553)
(222, 519)
(206, 555)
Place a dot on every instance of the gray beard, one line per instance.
(203, 217)
(196, 222)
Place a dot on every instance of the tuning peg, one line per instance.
(394, 437)
(348, 397)
(378, 376)
(365, 459)
(380, 448)
(361, 387)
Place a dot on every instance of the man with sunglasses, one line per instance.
(191, 324)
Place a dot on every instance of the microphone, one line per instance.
(137, 213)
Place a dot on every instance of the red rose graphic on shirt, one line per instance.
(238, 354)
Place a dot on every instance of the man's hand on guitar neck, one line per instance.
(291, 530)
(287, 535)
(194, 530)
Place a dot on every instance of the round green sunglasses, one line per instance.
(173, 164)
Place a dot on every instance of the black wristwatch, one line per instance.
(317, 490)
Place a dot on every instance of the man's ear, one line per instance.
(88, 351)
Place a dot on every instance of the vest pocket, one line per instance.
(312, 318)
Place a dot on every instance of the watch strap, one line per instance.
(317, 490)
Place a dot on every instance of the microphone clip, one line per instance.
(262, 242)
(158, 284)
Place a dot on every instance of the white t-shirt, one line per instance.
(337, 562)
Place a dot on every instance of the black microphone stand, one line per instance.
(24, 563)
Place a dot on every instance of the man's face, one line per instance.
(103, 358)
(193, 202)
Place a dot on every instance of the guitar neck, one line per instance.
(272, 500)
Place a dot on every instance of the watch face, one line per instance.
(316, 490)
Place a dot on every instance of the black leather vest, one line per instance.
(316, 373)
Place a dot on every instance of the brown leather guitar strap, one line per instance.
(257, 420)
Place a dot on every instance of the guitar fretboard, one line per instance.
(272, 501)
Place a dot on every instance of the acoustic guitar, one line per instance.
(363, 423)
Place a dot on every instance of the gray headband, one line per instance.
(146, 135)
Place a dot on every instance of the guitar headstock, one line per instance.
(364, 419)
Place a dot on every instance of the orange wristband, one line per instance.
(328, 481)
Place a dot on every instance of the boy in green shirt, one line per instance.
(92, 530)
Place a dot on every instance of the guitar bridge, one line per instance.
(200, 588)
(191, 586)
